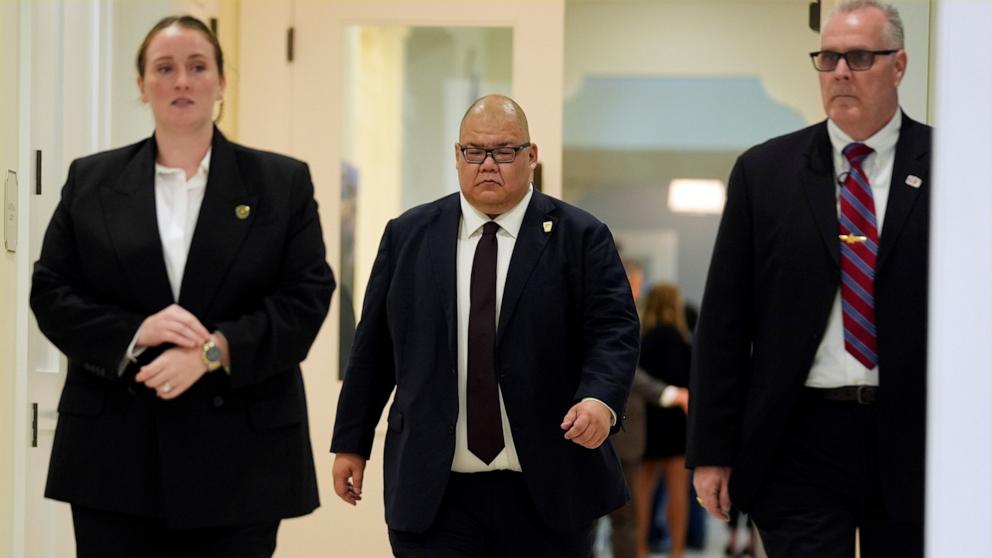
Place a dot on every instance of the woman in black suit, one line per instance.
(665, 355)
(185, 278)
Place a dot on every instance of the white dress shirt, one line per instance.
(177, 206)
(469, 233)
(833, 366)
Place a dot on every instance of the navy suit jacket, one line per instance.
(567, 330)
(233, 449)
(772, 281)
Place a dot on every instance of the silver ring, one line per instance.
(166, 387)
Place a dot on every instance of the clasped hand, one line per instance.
(178, 368)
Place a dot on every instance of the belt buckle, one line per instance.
(862, 389)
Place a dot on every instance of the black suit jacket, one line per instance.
(567, 330)
(772, 281)
(234, 448)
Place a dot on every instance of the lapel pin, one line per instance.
(242, 212)
(547, 226)
(914, 181)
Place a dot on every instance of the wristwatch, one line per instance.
(211, 355)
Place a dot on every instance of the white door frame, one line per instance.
(84, 103)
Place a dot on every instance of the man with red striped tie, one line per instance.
(808, 387)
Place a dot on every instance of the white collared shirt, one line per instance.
(177, 207)
(833, 366)
(469, 233)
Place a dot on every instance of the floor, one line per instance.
(716, 539)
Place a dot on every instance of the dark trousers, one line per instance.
(490, 515)
(825, 484)
(101, 534)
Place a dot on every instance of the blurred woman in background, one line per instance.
(665, 355)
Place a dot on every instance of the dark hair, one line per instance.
(188, 22)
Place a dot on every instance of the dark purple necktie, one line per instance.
(858, 250)
(485, 427)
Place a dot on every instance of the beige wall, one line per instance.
(9, 123)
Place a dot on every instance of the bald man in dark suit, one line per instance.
(502, 323)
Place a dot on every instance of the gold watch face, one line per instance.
(211, 355)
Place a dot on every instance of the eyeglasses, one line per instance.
(857, 60)
(477, 155)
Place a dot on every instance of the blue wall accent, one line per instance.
(704, 114)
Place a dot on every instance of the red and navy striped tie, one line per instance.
(858, 250)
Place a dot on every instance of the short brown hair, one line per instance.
(188, 22)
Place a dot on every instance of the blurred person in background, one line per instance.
(645, 391)
(665, 352)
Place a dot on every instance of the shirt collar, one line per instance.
(510, 221)
(202, 169)
(882, 140)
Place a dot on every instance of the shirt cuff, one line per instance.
(131, 354)
(668, 396)
(613, 416)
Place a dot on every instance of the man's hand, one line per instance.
(175, 325)
(711, 485)
(348, 471)
(587, 423)
(173, 372)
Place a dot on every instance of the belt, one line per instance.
(862, 395)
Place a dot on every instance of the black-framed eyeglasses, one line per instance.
(857, 60)
(477, 155)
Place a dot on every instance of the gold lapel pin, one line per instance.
(852, 238)
(242, 212)
(548, 225)
(914, 181)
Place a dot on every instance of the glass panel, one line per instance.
(405, 90)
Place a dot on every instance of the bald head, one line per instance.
(495, 108)
(495, 122)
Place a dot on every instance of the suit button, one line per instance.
(454, 371)
(218, 401)
(451, 429)
(131, 391)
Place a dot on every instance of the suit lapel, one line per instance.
(911, 151)
(219, 230)
(132, 223)
(818, 180)
(442, 250)
(530, 243)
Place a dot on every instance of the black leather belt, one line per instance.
(862, 395)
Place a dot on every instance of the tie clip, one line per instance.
(852, 238)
